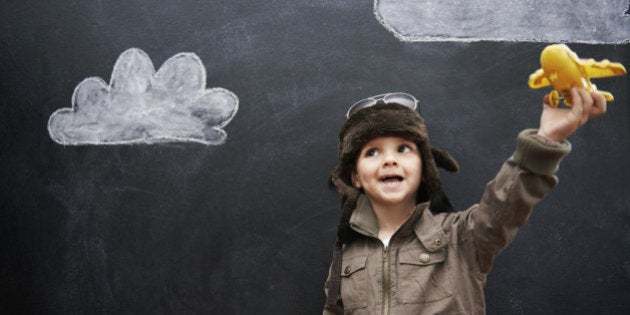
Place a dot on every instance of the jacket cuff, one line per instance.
(540, 156)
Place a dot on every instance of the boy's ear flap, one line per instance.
(343, 188)
(444, 160)
(349, 197)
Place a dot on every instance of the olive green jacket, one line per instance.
(438, 263)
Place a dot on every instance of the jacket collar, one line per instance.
(363, 219)
(429, 230)
(421, 222)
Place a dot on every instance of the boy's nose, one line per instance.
(389, 159)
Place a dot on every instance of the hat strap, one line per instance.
(334, 284)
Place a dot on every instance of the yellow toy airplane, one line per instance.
(562, 69)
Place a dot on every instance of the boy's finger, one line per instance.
(582, 104)
(599, 104)
(546, 100)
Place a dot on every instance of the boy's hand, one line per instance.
(559, 123)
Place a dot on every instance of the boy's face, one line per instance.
(389, 170)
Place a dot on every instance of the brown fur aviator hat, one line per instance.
(380, 120)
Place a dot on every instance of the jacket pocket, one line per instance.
(423, 276)
(354, 282)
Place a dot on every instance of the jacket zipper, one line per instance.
(387, 294)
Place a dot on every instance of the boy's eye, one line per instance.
(371, 152)
(404, 148)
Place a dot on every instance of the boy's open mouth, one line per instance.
(391, 179)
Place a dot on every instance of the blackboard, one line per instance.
(247, 226)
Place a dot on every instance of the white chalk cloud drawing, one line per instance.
(506, 20)
(142, 106)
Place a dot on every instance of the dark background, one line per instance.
(248, 227)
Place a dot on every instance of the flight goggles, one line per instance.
(398, 97)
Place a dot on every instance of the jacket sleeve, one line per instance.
(524, 179)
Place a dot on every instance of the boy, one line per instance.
(400, 248)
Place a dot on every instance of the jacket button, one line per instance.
(438, 241)
(424, 258)
(347, 270)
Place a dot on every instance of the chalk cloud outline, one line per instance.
(592, 22)
(142, 106)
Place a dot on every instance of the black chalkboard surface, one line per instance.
(246, 226)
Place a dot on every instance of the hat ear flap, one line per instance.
(431, 159)
(349, 198)
(444, 160)
(343, 188)
(440, 203)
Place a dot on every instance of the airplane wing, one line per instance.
(602, 69)
(538, 79)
